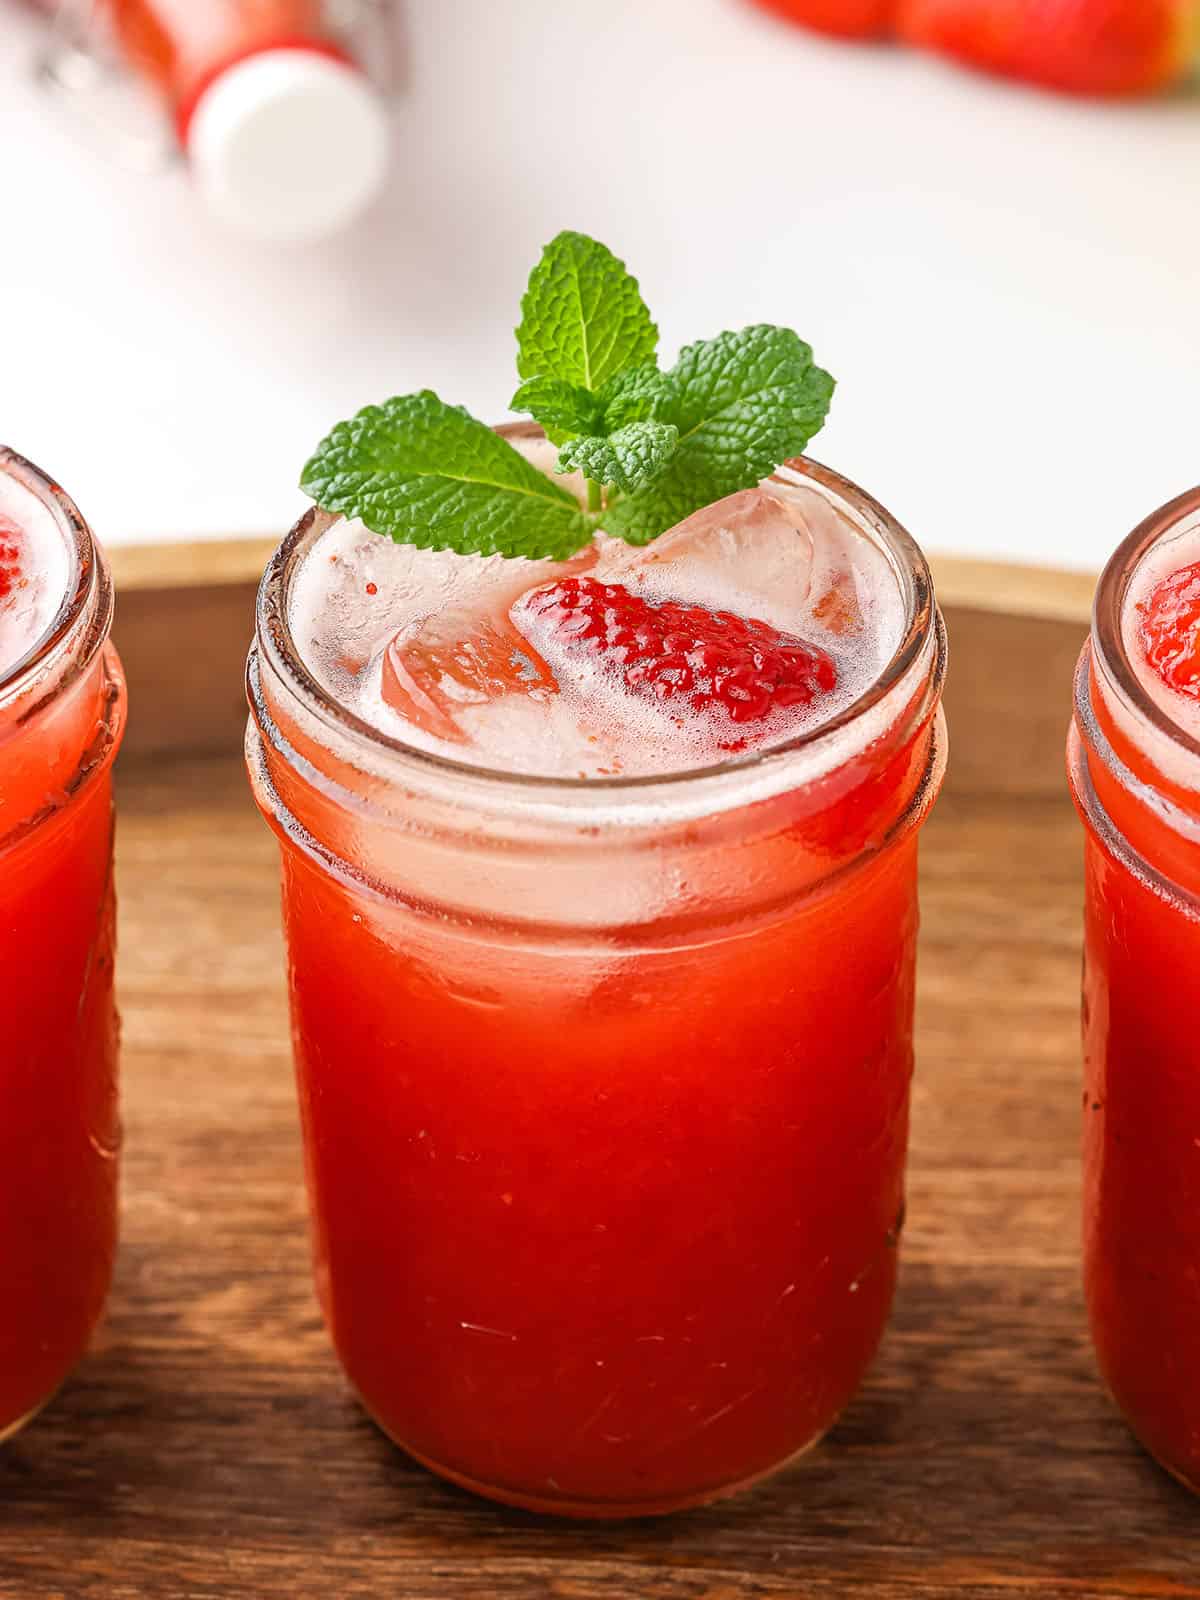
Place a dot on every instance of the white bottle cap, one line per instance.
(288, 144)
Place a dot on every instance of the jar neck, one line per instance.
(1135, 770)
(639, 882)
(62, 705)
(1137, 825)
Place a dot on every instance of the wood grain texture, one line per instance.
(184, 652)
(208, 1448)
(1008, 700)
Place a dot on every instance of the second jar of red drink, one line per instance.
(1134, 760)
(604, 1079)
(62, 709)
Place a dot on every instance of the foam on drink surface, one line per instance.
(35, 572)
(782, 554)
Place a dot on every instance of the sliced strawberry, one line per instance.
(667, 651)
(848, 19)
(453, 660)
(1169, 629)
(1094, 47)
(753, 549)
(12, 575)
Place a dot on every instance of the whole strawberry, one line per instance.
(1089, 47)
(849, 19)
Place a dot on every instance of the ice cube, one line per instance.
(751, 553)
(457, 658)
(469, 653)
(434, 648)
(838, 608)
(410, 638)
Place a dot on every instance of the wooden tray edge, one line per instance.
(185, 616)
(962, 581)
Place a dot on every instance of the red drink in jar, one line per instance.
(62, 707)
(602, 992)
(1134, 761)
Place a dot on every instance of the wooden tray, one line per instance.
(208, 1447)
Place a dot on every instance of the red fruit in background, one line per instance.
(670, 651)
(1095, 47)
(849, 19)
(1170, 630)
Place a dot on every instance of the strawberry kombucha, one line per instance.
(1134, 760)
(602, 978)
(61, 714)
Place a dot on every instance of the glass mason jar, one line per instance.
(604, 1083)
(62, 711)
(1135, 776)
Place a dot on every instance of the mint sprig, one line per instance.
(427, 473)
(583, 318)
(639, 394)
(742, 402)
(653, 446)
(627, 459)
(563, 409)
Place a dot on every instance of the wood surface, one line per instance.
(207, 1447)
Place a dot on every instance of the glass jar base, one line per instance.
(1192, 1485)
(594, 1510)
(14, 1428)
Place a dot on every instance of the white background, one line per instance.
(1006, 284)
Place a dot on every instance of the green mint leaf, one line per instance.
(628, 458)
(563, 409)
(426, 473)
(744, 403)
(582, 317)
(639, 394)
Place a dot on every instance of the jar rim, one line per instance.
(88, 593)
(1108, 608)
(921, 624)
